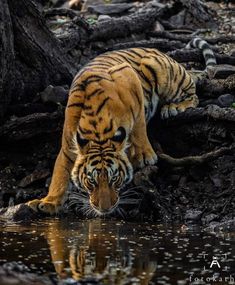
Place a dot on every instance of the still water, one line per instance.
(117, 252)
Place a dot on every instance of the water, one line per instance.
(117, 252)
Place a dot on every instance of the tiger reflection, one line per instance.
(94, 251)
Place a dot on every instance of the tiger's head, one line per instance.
(102, 169)
(103, 127)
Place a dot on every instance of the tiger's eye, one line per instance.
(120, 135)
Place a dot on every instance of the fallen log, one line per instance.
(163, 45)
(30, 126)
(126, 25)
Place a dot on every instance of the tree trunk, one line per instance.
(31, 57)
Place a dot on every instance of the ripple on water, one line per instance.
(114, 252)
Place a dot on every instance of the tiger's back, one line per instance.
(161, 77)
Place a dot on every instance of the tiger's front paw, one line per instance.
(44, 206)
(171, 110)
(143, 157)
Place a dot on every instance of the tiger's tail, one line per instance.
(207, 52)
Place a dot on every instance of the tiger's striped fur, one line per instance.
(104, 137)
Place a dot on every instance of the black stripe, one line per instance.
(119, 69)
(95, 162)
(196, 42)
(93, 123)
(132, 112)
(87, 107)
(101, 142)
(160, 61)
(208, 55)
(144, 49)
(67, 170)
(93, 76)
(97, 135)
(181, 82)
(205, 46)
(152, 71)
(136, 53)
(189, 85)
(127, 52)
(98, 64)
(101, 105)
(93, 156)
(109, 129)
(77, 87)
(80, 105)
(149, 92)
(91, 114)
(145, 78)
(157, 53)
(68, 158)
(84, 131)
(68, 142)
(170, 67)
(95, 92)
(136, 96)
(131, 61)
(110, 57)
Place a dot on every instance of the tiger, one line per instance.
(111, 100)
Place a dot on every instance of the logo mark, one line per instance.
(215, 262)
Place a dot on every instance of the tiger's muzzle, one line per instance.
(104, 199)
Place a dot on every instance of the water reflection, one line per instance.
(100, 250)
(117, 252)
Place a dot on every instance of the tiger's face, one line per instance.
(102, 168)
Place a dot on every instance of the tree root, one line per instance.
(197, 159)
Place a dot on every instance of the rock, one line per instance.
(142, 177)
(178, 19)
(228, 225)
(17, 213)
(18, 273)
(109, 9)
(193, 215)
(103, 18)
(158, 27)
(226, 100)
(216, 179)
(37, 175)
(155, 3)
(209, 218)
(55, 94)
(220, 71)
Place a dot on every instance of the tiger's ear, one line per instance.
(126, 80)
